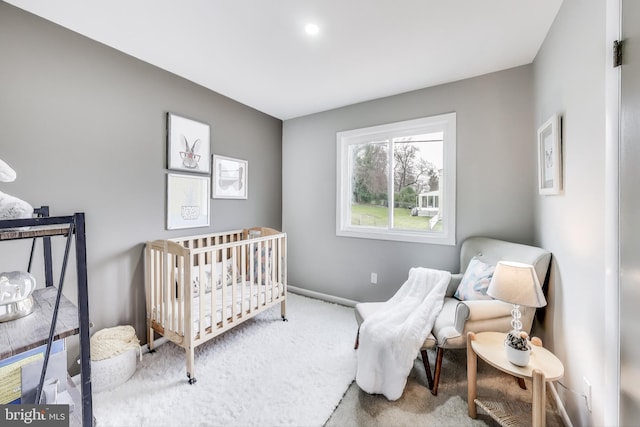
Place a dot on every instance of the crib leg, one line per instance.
(150, 340)
(283, 311)
(190, 365)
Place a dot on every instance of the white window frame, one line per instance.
(445, 123)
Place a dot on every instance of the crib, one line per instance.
(198, 287)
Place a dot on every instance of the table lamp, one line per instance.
(516, 283)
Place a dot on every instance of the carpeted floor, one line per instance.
(264, 372)
(418, 407)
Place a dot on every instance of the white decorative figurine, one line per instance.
(16, 288)
(11, 207)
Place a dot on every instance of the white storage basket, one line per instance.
(114, 371)
(114, 354)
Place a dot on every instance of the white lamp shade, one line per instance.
(516, 283)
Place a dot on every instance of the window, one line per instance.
(398, 181)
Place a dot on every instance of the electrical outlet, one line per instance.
(587, 392)
(374, 278)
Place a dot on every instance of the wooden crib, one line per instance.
(201, 286)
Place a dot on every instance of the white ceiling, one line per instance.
(257, 52)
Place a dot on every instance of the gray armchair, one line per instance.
(459, 317)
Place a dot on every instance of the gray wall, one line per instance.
(83, 125)
(569, 78)
(495, 183)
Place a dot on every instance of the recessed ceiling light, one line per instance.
(312, 29)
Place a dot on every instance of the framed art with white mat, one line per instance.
(187, 201)
(550, 156)
(188, 144)
(230, 178)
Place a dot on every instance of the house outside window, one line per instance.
(397, 181)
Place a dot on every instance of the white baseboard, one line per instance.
(321, 296)
(156, 343)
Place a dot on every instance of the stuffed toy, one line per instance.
(11, 207)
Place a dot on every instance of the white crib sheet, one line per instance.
(242, 304)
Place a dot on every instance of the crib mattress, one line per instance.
(244, 300)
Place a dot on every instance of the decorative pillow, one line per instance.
(228, 276)
(223, 274)
(195, 279)
(475, 281)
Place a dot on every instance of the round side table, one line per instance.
(543, 366)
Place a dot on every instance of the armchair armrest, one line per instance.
(488, 309)
(452, 317)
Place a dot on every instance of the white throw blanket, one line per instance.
(391, 338)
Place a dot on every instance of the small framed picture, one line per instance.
(550, 157)
(187, 201)
(230, 178)
(188, 144)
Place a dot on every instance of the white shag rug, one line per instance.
(264, 372)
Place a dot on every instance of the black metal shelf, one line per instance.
(45, 227)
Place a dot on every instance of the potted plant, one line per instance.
(518, 347)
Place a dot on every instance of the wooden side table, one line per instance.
(543, 366)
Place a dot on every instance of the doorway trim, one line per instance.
(611, 390)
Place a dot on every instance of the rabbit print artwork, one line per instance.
(12, 207)
(189, 157)
(188, 144)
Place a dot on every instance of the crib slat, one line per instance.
(252, 278)
(187, 302)
(279, 266)
(223, 294)
(260, 282)
(272, 269)
(174, 287)
(178, 283)
(244, 306)
(196, 260)
(234, 284)
(216, 277)
(157, 275)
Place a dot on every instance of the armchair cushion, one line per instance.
(475, 281)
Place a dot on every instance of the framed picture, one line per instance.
(187, 201)
(550, 157)
(230, 178)
(188, 144)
